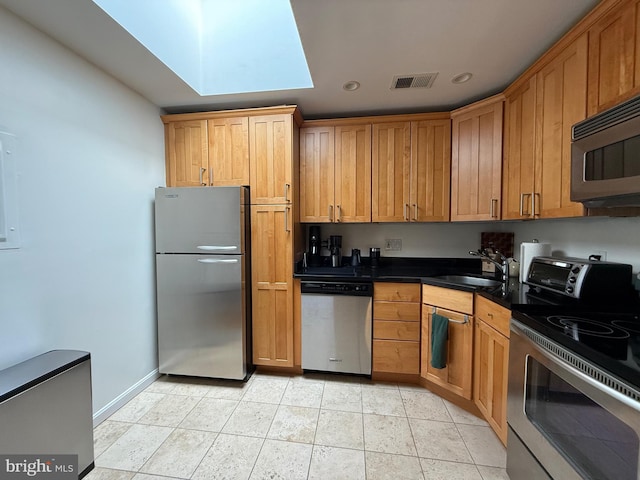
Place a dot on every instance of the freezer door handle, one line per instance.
(218, 260)
(209, 248)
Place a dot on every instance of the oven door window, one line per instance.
(595, 442)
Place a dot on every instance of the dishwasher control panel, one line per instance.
(359, 289)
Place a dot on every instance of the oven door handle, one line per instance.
(610, 389)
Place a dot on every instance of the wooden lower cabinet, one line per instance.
(491, 364)
(272, 285)
(396, 328)
(456, 376)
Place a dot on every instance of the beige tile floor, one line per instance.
(304, 427)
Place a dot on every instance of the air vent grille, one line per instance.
(606, 119)
(579, 363)
(418, 80)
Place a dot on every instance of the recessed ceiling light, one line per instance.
(462, 77)
(351, 85)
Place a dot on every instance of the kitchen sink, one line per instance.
(469, 280)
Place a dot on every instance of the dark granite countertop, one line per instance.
(423, 270)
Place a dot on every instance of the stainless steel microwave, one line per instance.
(605, 157)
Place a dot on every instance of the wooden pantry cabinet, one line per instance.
(614, 57)
(476, 160)
(396, 328)
(206, 151)
(491, 363)
(335, 174)
(411, 170)
(457, 306)
(272, 284)
(539, 115)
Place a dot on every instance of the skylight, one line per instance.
(219, 46)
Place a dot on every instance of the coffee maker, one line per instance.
(335, 249)
(315, 244)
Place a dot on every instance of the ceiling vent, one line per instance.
(418, 80)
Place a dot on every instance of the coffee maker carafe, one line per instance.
(315, 244)
(335, 248)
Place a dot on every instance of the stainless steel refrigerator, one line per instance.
(203, 281)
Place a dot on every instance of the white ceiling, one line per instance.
(370, 41)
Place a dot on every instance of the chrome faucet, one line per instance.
(502, 265)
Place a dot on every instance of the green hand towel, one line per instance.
(439, 336)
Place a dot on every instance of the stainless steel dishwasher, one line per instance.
(336, 326)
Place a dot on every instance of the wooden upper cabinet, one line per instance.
(352, 174)
(476, 161)
(430, 170)
(537, 149)
(271, 159)
(391, 168)
(228, 151)
(186, 151)
(561, 96)
(335, 174)
(317, 167)
(519, 151)
(614, 57)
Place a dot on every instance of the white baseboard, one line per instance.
(111, 407)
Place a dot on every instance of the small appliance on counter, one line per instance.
(315, 244)
(356, 260)
(335, 249)
(374, 256)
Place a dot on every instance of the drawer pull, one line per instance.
(461, 322)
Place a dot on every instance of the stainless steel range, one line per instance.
(574, 382)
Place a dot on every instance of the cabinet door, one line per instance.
(614, 58)
(476, 163)
(490, 374)
(519, 153)
(561, 102)
(430, 170)
(187, 153)
(391, 167)
(229, 151)
(457, 375)
(317, 158)
(353, 174)
(272, 285)
(271, 165)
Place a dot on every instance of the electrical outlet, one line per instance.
(602, 254)
(393, 244)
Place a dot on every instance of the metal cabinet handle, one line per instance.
(211, 176)
(202, 170)
(405, 215)
(330, 213)
(286, 219)
(434, 310)
(533, 203)
(339, 217)
(494, 202)
(286, 192)
(415, 211)
(522, 204)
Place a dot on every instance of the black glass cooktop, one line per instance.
(610, 340)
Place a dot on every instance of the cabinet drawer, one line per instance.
(397, 292)
(396, 356)
(448, 298)
(396, 311)
(396, 330)
(493, 315)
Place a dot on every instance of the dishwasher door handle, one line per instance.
(332, 359)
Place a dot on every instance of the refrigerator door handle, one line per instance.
(226, 248)
(218, 260)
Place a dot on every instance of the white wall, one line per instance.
(90, 152)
